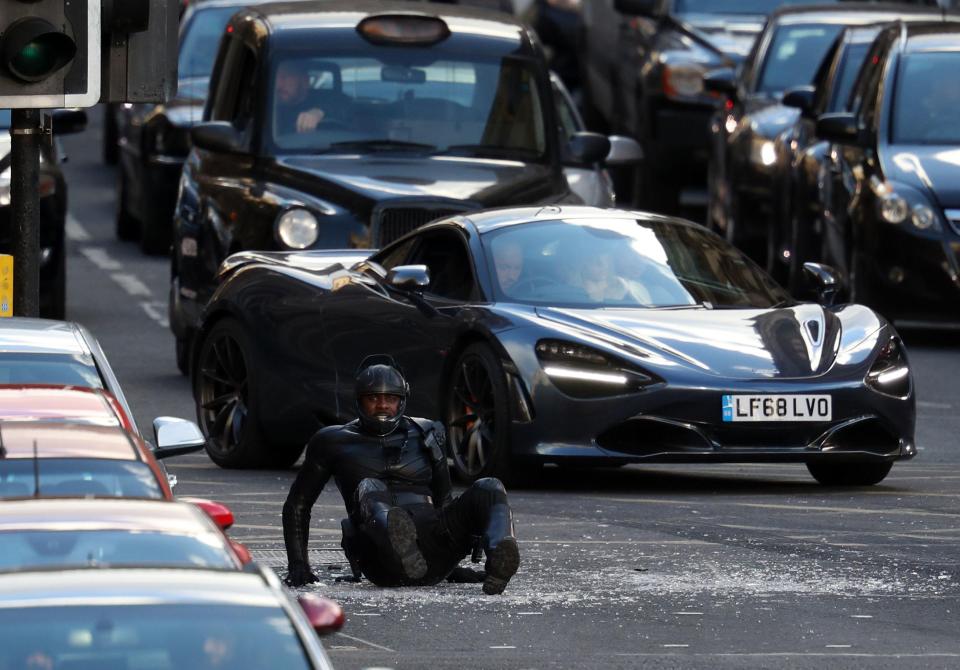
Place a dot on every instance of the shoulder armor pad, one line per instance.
(434, 437)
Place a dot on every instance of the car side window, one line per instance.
(445, 255)
(395, 255)
(235, 96)
(863, 99)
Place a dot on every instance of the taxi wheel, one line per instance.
(226, 405)
(849, 474)
(127, 227)
(478, 416)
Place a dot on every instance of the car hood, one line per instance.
(930, 168)
(802, 340)
(732, 35)
(379, 177)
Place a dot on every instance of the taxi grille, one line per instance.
(391, 222)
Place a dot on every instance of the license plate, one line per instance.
(777, 408)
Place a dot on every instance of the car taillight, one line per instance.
(324, 615)
(241, 551)
(220, 513)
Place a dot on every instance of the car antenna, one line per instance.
(36, 472)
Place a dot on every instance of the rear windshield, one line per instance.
(794, 55)
(58, 369)
(25, 549)
(154, 636)
(927, 100)
(200, 39)
(77, 477)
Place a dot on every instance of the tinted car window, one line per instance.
(72, 477)
(794, 55)
(24, 549)
(199, 41)
(156, 636)
(733, 6)
(623, 263)
(927, 99)
(849, 67)
(59, 369)
(450, 104)
(445, 255)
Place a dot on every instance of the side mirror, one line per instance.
(324, 615)
(841, 128)
(799, 97)
(409, 277)
(722, 81)
(68, 121)
(216, 136)
(220, 513)
(623, 151)
(824, 281)
(588, 148)
(175, 437)
(636, 7)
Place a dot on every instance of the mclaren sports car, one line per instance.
(572, 335)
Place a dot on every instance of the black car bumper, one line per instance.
(679, 139)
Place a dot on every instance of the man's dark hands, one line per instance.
(299, 574)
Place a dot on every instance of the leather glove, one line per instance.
(299, 574)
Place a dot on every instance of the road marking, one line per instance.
(934, 405)
(677, 646)
(812, 654)
(792, 508)
(837, 646)
(614, 542)
(75, 231)
(689, 613)
(156, 311)
(369, 644)
(101, 258)
(529, 613)
(131, 284)
(365, 614)
(503, 646)
(861, 616)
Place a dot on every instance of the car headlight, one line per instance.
(898, 203)
(890, 373)
(763, 151)
(683, 80)
(297, 228)
(582, 371)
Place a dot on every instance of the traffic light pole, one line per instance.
(26, 134)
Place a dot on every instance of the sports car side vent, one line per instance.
(867, 435)
(394, 220)
(649, 436)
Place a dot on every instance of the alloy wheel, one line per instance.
(222, 399)
(472, 416)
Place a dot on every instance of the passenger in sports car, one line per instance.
(508, 260)
(403, 528)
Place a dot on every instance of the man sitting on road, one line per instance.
(403, 527)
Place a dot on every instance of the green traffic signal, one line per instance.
(33, 49)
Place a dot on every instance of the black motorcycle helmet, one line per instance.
(380, 374)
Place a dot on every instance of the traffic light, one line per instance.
(49, 53)
(140, 56)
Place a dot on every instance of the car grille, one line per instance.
(953, 216)
(391, 222)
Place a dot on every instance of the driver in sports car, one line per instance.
(403, 528)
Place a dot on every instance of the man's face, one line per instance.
(291, 85)
(509, 266)
(380, 405)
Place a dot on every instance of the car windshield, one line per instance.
(73, 477)
(387, 99)
(200, 40)
(927, 99)
(149, 635)
(623, 263)
(30, 549)
(4, 118)
(794, 55)
(59, 369)
(849, 68)
(732, 6)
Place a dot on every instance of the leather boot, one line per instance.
(501, 548)
(393, 530)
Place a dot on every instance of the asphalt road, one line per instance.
(667, 567)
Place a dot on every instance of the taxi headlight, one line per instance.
(297, 229)
(894, 208)
(684, 80)
(924, 217)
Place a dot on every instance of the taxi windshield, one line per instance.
(623, 263)
(412, 99)
(794, 55)
(927, 101)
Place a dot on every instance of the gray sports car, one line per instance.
(567, 335)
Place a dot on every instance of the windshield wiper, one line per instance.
(488, 150)
(381, 145)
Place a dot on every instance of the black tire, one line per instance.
(478, 416)
(126, 226)
(182, 350)
(849, 473)
(155, 235)
(56, 306)
(226, 404)
(111, 136)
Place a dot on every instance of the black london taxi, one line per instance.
(335, 125)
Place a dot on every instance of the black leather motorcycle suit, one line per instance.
(406, 469)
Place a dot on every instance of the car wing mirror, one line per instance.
(840, 128)
(623, 151)
(824, 281)
(588, 148)
(216, 136)
(175, 437)
(67, 121)
(414, 278)
(799, 97)
(722, 81)
(325, 616)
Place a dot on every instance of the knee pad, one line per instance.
(370, 485)
(490, 488)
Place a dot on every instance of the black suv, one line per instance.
(333, 126)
